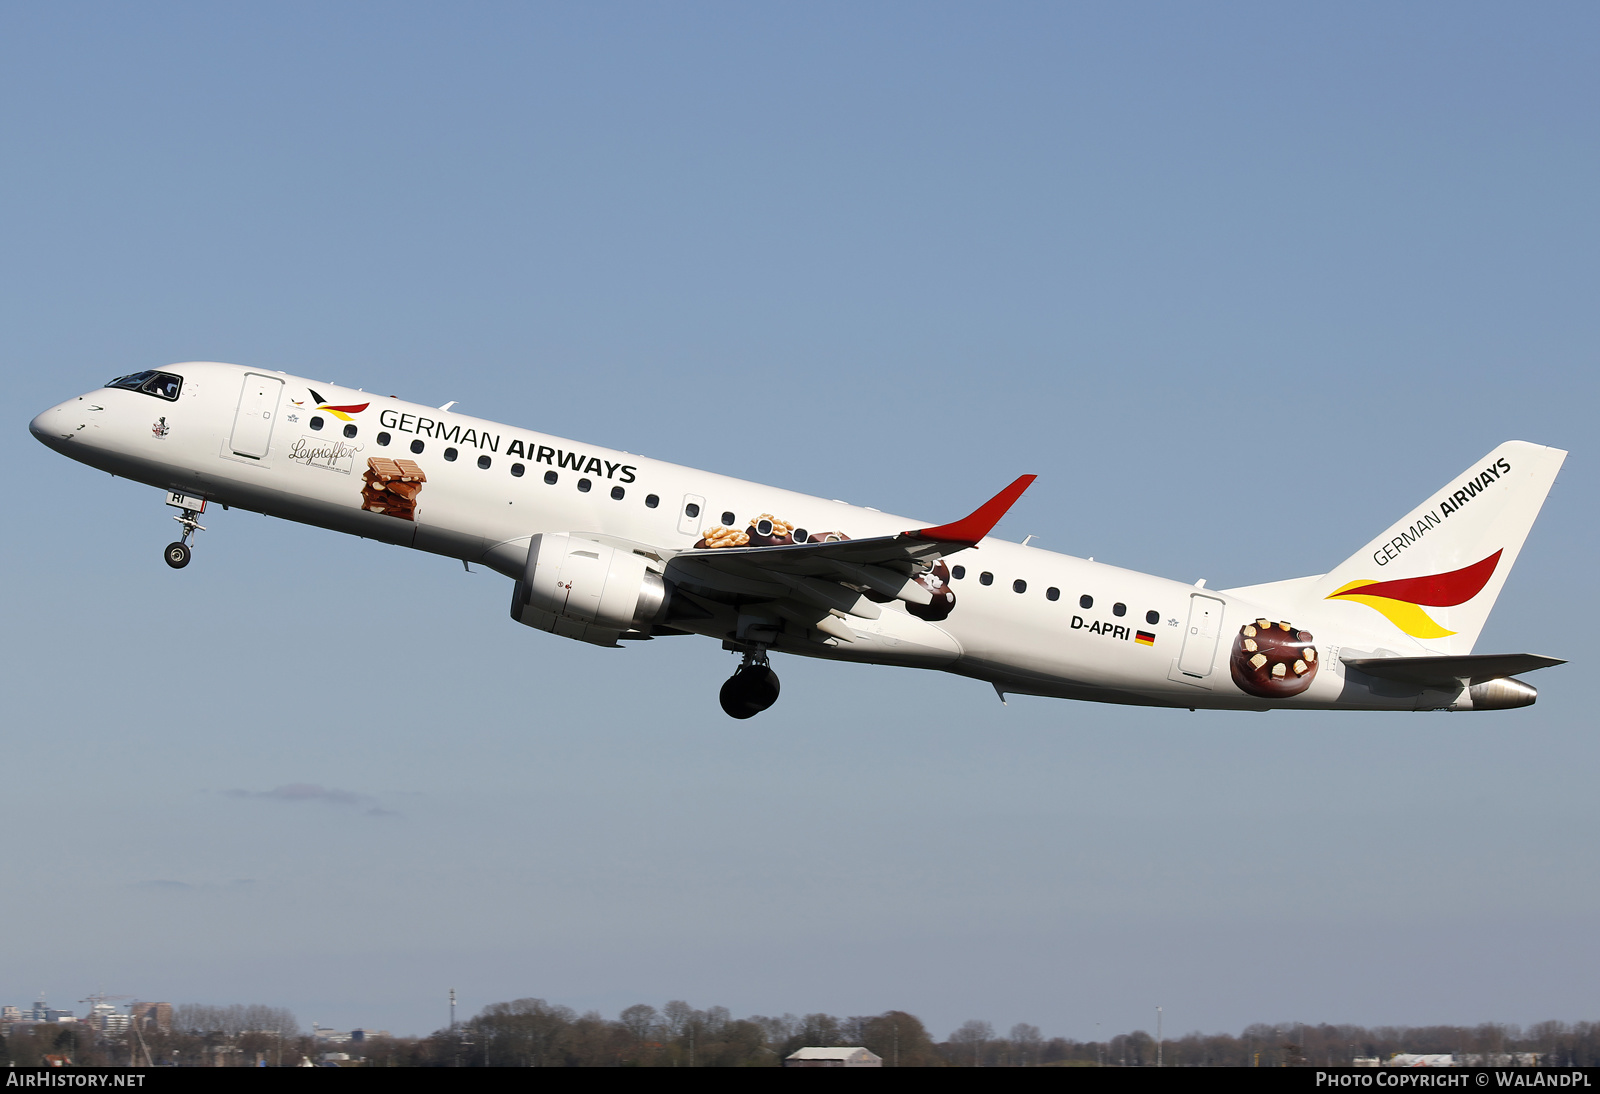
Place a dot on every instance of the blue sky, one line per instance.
(895, 254)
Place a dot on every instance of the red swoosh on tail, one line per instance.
(1437, 590)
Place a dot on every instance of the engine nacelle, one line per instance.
(1502, 694)
(582, 589)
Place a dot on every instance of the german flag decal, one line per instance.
(341, 412)
(1144, 638)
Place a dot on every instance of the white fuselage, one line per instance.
(1104, 634)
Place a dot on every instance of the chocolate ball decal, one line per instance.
(1273, 660)
(937, 582)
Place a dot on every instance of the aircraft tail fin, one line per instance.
(1435, 573)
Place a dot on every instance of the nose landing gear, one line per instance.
(752, 688)
(177, 553)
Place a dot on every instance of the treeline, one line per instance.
(535, 1033)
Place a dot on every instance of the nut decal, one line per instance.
(1273, 660)
(392, 487)
(769, 531)
(723, 537)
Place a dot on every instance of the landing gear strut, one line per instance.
(752, 688)
(177, 553)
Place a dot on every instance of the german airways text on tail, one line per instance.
(607, 547)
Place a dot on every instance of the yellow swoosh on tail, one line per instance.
(1403, 614)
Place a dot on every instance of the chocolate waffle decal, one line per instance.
(391, 487)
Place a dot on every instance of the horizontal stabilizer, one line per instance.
(1472, 668)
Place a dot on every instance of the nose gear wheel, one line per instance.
(177, 554)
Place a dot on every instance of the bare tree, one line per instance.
(974, 1035)
(1027, 1039)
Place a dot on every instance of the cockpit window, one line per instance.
(163, 385)
(132, 380)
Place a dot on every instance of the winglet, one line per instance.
(970, 529)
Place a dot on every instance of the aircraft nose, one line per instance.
(54, 427)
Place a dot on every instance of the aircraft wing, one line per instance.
(1471, 668)
(817, 574)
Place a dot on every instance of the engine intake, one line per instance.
(590, 591)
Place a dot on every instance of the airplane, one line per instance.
(606, 547)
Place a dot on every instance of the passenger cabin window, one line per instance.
(163, 385)
(1086, 601)
(1052, 593)
(450, 455)
(651, 501)
(383, 440)
(517, 470)
(350, 431)
(986, 578)
(617, 493)
(584, 485)
(416, 447)
(1152, 618)
(727, 519)
(1119, 609)
(551, 477)
(316, 423)
(1019, 586)
(958, 572)
(483, 462)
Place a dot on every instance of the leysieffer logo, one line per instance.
(328, 455)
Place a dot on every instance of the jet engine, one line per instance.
(583, 589)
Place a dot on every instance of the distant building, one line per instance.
(104, 1017)
(151, 1015)
(1449, 1059)
(832, 1057)
(44, 1012)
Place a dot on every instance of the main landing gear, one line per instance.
(752, 688)
(177, 553)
